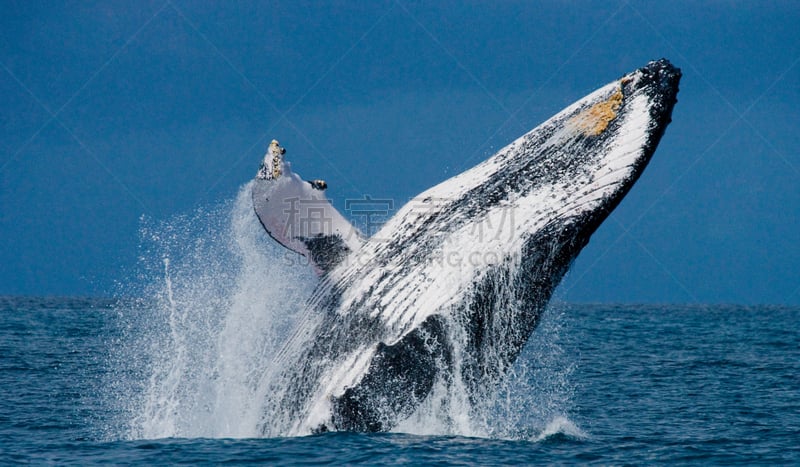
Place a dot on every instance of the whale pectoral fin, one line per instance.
(299, 216)
(400, 376)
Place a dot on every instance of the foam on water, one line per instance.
(537, 392)
(560, 425)
(221, 299)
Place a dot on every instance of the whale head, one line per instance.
(536, 202)
(452, 286)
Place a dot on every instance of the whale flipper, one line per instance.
(298, 215)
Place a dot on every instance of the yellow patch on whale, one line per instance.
(596, 118)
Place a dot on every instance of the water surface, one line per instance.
(627, 384)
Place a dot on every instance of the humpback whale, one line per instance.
(449, 290)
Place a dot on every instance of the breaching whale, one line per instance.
(449, 290)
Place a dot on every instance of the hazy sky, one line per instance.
(114, 110)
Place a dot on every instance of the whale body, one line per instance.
(449, 290)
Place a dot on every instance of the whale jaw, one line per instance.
(451, 288)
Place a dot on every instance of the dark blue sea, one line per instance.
(623, 384)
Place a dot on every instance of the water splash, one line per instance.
(560, 426)
(537, 391)
(221, 299)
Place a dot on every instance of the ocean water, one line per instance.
(637, 384)
(176, 369)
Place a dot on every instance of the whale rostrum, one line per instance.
(449, 290)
